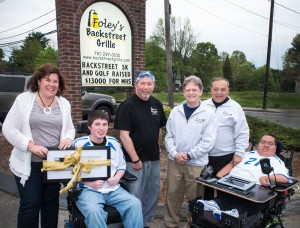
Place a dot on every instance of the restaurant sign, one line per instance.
(105, 46)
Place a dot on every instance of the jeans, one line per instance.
(146, 187)
(36, 197)
(91, 204)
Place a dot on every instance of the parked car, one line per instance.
(97, 101)
(11, 85)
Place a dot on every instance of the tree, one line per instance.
(291, 65)
(206, 61)
(39, 37)
(2, 62)
(227, 70)
(183, 41)
(24, 58)
(156, 62)
(48, 55)
(2, 55)
(242, 70)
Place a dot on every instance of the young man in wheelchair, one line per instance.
(249, 168)
(97, 193)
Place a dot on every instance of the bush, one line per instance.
(289, 136)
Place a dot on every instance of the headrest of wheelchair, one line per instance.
(82, 127)
(280, 147)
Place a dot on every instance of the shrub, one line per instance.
(289, 136)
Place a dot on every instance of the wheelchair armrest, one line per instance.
(129, 177)
(74, 192)
(285, 186)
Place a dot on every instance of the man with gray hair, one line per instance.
(140, 119)
(191, 133)
(232, 128)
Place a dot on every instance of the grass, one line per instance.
(245, 99)
(248, 99)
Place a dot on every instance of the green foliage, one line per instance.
(246, 99)
(2, 55)
(291, 65)
(167, 111)
(206, 61)
(156, 62)
(24, 58)
(289, 136)
(48, 55)
(2, 62)
(227, 70)
(44, 41)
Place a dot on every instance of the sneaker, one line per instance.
(209, 205)
(233, 212)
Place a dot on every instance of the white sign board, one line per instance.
(105, 46)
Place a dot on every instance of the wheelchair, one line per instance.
(76, 219)
(269, 217)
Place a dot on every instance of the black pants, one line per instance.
(36, 197)
(217, 162)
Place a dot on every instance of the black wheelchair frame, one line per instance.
(270, 216)
(76, 219)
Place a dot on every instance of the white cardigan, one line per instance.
(16, 130)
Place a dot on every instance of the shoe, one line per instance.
(233, 212)
(209, 205)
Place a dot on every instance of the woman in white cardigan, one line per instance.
(38, 119)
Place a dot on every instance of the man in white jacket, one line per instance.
(191, 134)
(232, 128)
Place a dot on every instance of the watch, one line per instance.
(189, 157)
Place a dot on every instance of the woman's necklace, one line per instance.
(47, 109)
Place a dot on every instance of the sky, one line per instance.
(228, 24)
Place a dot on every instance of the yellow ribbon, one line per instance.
(73, 159)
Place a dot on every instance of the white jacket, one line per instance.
(195, 136)
(16, 130)
(233, 130)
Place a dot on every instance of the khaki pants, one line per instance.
(180, 180)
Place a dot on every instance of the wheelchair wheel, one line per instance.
(69, 224)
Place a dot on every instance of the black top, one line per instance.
(142, 119)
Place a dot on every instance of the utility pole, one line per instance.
(169, 54)
(266, 85)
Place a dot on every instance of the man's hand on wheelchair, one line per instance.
(264, 180)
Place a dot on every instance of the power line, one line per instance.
(28, 30)
(287, 8)
(21, 41)
(294, 27)
(223, 19)
(26, 22)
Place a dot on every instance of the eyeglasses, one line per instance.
(267, 143)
